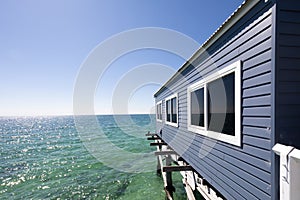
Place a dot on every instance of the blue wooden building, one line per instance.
(236, 97)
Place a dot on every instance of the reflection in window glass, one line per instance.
(197, 107)
(174, 109)
(158, 111)
(221, 114)
(168, 110)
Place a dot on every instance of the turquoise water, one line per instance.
(44, 158)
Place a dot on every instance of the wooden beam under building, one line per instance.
(153, 138)
(161, 153)
(158, 143)
(177, 168)
(150, 134)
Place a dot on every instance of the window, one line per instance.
(220, 99)
(159, 111)
(172, 110)
(168, 111)
(197, 107)
(214, 105)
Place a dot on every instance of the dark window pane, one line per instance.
(221, 115)
(174, 109)
(197, 107)
(158, 111)
(168, 107)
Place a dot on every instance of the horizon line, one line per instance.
(66, 115)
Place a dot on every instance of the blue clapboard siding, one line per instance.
(288, 73)
(236, 172)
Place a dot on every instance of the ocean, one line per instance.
(49, 158)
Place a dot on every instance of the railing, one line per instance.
(289, 171)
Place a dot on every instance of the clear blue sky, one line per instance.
(43, 44)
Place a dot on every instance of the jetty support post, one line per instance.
(170, 189)
(159, 167)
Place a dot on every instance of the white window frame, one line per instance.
(236, 139)
(160, 102)
(190, 89)
(177, 106)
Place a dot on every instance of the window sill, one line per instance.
(234, 140)
(172, 124)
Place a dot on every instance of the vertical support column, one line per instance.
(158, 168)
(169, 188)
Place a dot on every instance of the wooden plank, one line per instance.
(289, 87)
(250, 35)
(257, 101)
(257, 121)
(153, 138)
(257, 142)
(257, 91)
(263, 56)
(258, 69)
(257, 111)
(290, 51)
(290, 6)
(289, 39)
(287, 110)
(289, 28)
(177, 168)
(287, 122)
(151, 134)
(160, 153)
(257, 152)
(257, 131)
(170, 189)
(288, 63)
(289, 75)
(289, 98)
(257, 80)
(158, 143)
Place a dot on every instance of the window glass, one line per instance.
(220, 99)
(158, 111)
(197, 107)
(168, 107)
(174, 109)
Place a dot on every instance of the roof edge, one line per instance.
(229, 22)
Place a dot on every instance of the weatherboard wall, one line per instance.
(288, 73)
(236, 172)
